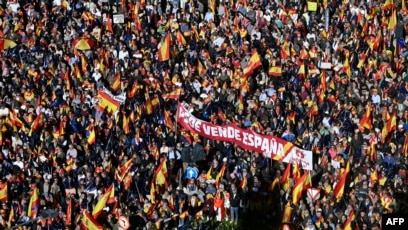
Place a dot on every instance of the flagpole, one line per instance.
(176, 125)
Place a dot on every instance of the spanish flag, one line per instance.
(152, 192)
(109, 26)
(405, 146)
(323, 81)
(389, 126)
(308, 181)
(285, 180)
(374, 176)
(313, 111)
(274, 183)
(89, 223)
(84, 64)
(175, 94)
(201, 68)
(211, 5)
(287, 213)
(372, 152)
(388, 5)
(365, 121)
(91, 135)
(151, 104)
(68, 219)
(136, 18)
(297, 190)
(180, 38)
(291, 116)
(15, 120)
(382, 181)
(339, 189)
(116, 84)
(108, 197)
(124, 169)
(37, 123)
(125, 124)
(350, 219)
(275, 71)
(254, 62)
(167, 120)
(78, 73)
(134, 89)
(161, 174)
(107, 103)
(164, 50)
(4, 192)
(296, 171)
(11, 218)
(285, 50)
(302, 70)
(244, 182)
(220, 174)
(34, 204)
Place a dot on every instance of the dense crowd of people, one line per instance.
(331, 78)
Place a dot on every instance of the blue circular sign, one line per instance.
(191, 173)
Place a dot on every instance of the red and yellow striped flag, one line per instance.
(124, 169)
(296, 171)
(365, 121)
(254, 62)
(175, 94)
(68, 219)
(339, 189)
(180, 38)
(107, 103)
(275, 71)
(164, 50)
(37, 123)
(15, 120)
(152, 192)
(4, 192)
(89, 223)
(287, 213)
(285, 180)
(161, 173)
(389, 126)
(297, 190)
(108, 197)
(405, 146)
(350, 219)
(167, 120)
(201, 68)
(34, 203)
(91, 134)
(116, 83)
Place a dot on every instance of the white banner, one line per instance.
(271, 146)
(119, 98)
(303, 157)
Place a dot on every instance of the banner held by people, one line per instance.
(272, 147)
